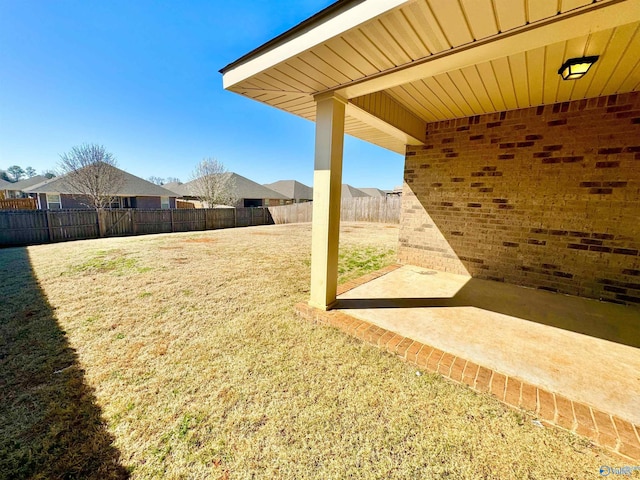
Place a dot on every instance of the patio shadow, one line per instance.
(615, 323)
(50, 424)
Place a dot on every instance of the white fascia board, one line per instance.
(593, 18)
(316, 35)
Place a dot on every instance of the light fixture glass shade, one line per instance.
(575, 68)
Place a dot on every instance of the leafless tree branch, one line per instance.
(90, 172)
(212, 184)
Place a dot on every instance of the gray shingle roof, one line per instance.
(4, 185)
(351, 192)
(133, 186)
(244, 188)
(28, 182)
(178, 188)
(292, 189)
(373, 192)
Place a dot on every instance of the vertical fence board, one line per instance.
(153, 221)
(18, 204)
(118, 223)
(361, 209)
(23, 227)
(72, 224)
(27, 227)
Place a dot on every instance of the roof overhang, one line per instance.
(402, 64)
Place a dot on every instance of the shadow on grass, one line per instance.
(50, 425)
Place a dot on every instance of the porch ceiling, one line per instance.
(402, 64)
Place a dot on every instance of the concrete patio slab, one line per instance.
(584, 349)
(571, 362)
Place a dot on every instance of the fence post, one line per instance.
(235, 217)
(171, 212)
(134, 224)
(49, 229)
(102, 227)
(251, 217)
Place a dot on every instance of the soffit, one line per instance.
(406, 38)
(528, 78)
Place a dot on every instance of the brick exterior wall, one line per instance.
(74, 201)
(546, 197)
(148, 202)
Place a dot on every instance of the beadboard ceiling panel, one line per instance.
(421, 54)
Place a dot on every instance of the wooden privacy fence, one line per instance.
(27, 227)
(182, 204)
(361, 209)
(18, 204)
(293, 213)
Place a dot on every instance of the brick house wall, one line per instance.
(151, 202)
(545, 197)
(68, 201)
(148, 202)
(74, 201)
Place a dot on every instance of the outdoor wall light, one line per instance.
(576, 68)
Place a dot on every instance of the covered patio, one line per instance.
(521, 190)
(568, 361)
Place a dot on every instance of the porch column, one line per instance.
(327, 184)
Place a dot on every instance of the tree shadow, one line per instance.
(50, 424)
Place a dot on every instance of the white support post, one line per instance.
(327, 184)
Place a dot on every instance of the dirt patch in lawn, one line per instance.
(197, 367)
(200, 240)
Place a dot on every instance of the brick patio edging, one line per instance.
(610, 432)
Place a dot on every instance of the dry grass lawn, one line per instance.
(179, 356)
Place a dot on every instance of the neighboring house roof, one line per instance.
(243, 188)
(292, 189)
(374, 192)
(352, 192)
(4, 185)
(132, 186)
(246, 188)
(28, 182)
(178, 188)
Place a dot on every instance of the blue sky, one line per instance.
(141, 78)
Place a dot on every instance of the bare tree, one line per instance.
(90, 172)
(212, 184)
(172, 180)
(156, 180)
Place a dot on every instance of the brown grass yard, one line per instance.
(179, 356)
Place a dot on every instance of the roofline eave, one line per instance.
(328, 23)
